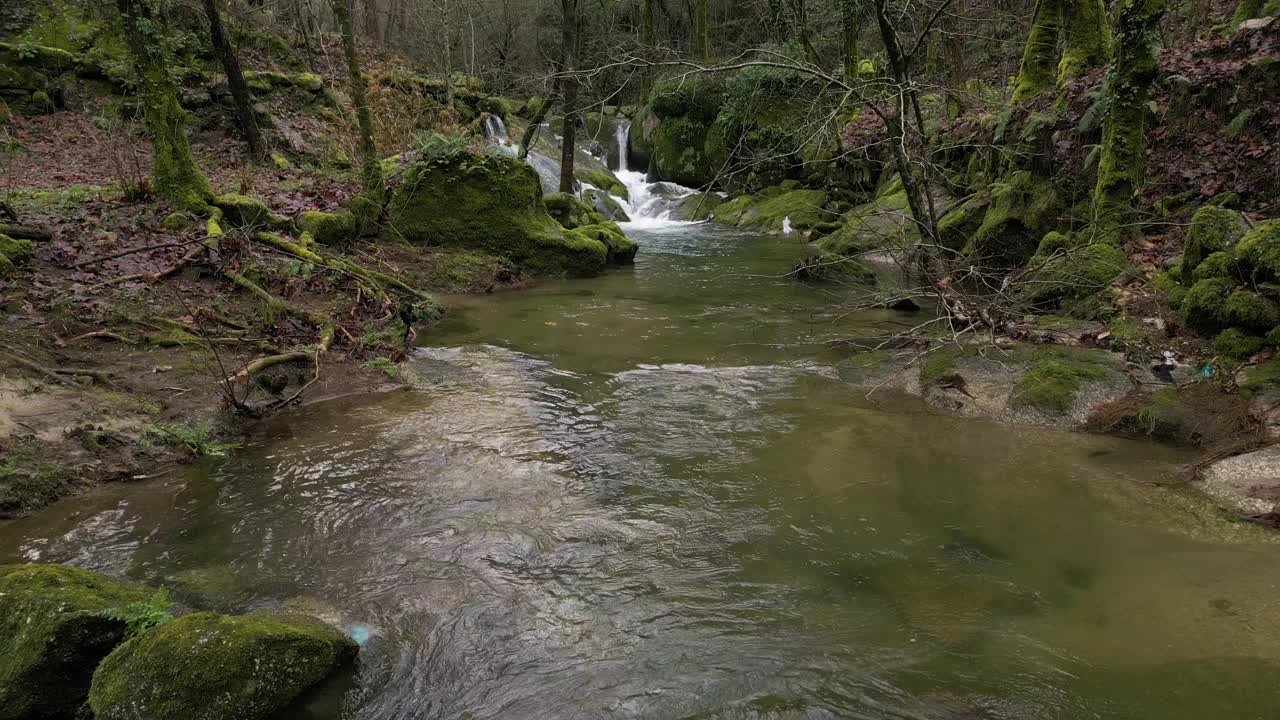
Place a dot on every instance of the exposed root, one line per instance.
(102, 335)
(57, 373)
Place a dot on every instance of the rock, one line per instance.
(328, 228)
(490, 203)
(1249, 483)
(698, 206)
(586, 224)
(53, 633)
(206, 666)
(605, 205)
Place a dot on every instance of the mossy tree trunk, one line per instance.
(1079, 27)
(1246, 10)
(526, 140)
(1086, 40)
(1040, 54)
(367, 207)
(702, 30)
(175, 175)
(569, 85)
(850, 28)
(1124, 134)
(241, 100)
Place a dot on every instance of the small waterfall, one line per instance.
(647, 203)
(496, 129)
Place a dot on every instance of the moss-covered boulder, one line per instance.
(1023, 207)
(1260, 250)
(697, 206)
(807, 210)
(53, 633)
(490, 203)
(13, 252)
(604, 180)
(682, 112)
(604, 204)
(1213, 229)
(328, 228)
(1069, 272)
(213, 667)
(585, 224)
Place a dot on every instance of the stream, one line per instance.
(653, 494)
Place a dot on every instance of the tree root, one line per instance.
(26, 232)
(267, 361)
(102, 335)
(57, 373)
(375, 277)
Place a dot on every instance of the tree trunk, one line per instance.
(240, 98)
(850, 27)
(1040, 54)
(569, 38)
(1124, 133)
(175, 175)
(526, 140)
(801, 10)
(371, 19)
(701, 31)
(646, 45)
(367, 207)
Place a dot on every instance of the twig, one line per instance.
(162, 246)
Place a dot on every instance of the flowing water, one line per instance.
(652, 494)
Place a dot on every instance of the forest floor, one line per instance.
(104, 379)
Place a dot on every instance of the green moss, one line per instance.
(29, 478)
(488, 203)
(176, 177)
(622, 249)
(959, 224)
(1250, 310)
(210, 667)
(1023, 207)
(605, 205)
(698, 206)
(242, 210)
(464, 271)
(1237, 345)
(328, 228)
(569, 211)
(1088, 38)
(1040, 55)
(13, 252)
(1261, 379)
(1213, 229)
(805, 208)
(1167, 283)
(1259, 249)
(1216, 265)
(679, 153)
(1203, 307)
(604, 180)
(1051, 384)
(939, 368)
(1124, 135)
(1065, 274)
(1129, 334)
(54, 630)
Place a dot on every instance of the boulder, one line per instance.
(491, 203)
(53, 633)
(206, 666)
(605, 205)
(585, 224)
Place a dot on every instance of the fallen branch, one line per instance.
(103, 335)
(134, 251)
(26, 232)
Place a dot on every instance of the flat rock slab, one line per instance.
(1249, 482)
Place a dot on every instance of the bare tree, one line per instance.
(240, 97)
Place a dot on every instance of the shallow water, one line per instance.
(651, 495)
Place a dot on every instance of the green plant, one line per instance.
(197, 439)
(141, 616)
(384, 364)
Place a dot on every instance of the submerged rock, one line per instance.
(1249, 483)
(213, 667)
(53, 633)
(490, 203)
